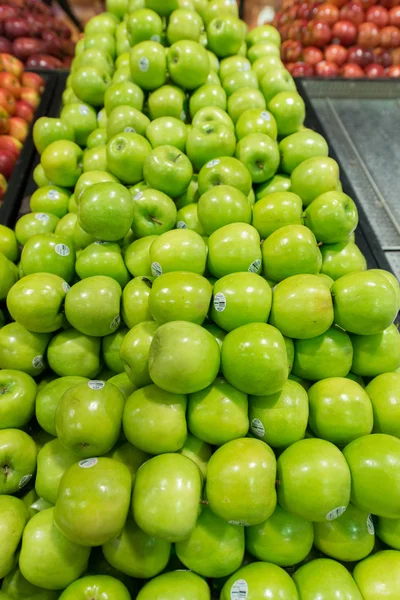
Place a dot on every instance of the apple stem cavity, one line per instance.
(156, 221)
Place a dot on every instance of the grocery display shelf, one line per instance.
(361, 122)
(19, 177)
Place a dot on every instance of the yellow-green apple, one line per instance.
(290, 250)
(180, 296)
(124, 384)
(154, 213)
(222, 205)
(239, 299)
(259, 154)
(134, 352)
(18, 393)
(125, 93)
(8, 243)
(280, 419)
(263, 33)
(71, 353)
(209, 114)
(187, 217)
(388, 531)
(137, 554)
(47, 130)
(83, 118)
(86, 180)
(110, 350)
(62, 162)
(89, 83)
(332, 217)
(376, 354)
(240, 79)
(277, 183)
(206, 96)
(95, 159)
(9, 276)
(95, 585)
(175, 583)
(300, 146)
(97, 138)
(168, 170)
(324, 577)
(143, 24)
(183, 357)
(188, 64)
(126, 119)
(327, 355)
(374, 462)
(384, 393)
(302, 307)
(81, 306)
(214, 61)
(162, 7)
(190, 196)
(219, 403)
(16, 586)
(166, 497)
(126, 153)
(216, 7)
(262, 48)
(13, 518)
(167, 131)
(125, 453)
(93, 501)
(184, 24)
(275, 211)
(314, 480)
(268, 62)
(52, 462)
(39, 177)
(260, 579)
(340, 410)
(284, 539)
(256, 120)
(244, 99)
(106, 210)
(198, 451)
(233, 248)
(225, 35)
(50, 199)
(392, 279)
(233, 64)
(17, 460)
(102, 258)
(94, 56)
(104, 22)
(22, 350)
(349, 538)
(341, 258)
(288, 109)
(178, 250)
(378, 576)
(154, 420)
(224, 171)
(209, 141)
(66, 226)
(135, 301)
(49, 253)
(148, 64)
(365, 303)
(314, 177)
(167, 101)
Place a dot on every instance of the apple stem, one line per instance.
(156, 221)
(319, 244)
(205, 502)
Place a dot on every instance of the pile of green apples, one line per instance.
(199, 377)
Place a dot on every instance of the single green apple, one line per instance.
(327, 355)
(82, 117)
(388, 531)
(125, 453)
(22, 350)
(13, 518)
(258, 580)
(49, 253)
(148, 64)
(233, 64)
(72, 353)
(244, 99)
(225, 35)
(268, 62)
(324, 578)
(342, 258)
(134, 352)
(89, 82)
(209, 114)
(224, 171)
(50, 199)
(384, 393)
(209, 141)
(288, 109)
(206, 96)
(167, 131)
(135, 301)
(125, 93)
(263, 48)
(126, 119)
(259, 154)
(167, 101)
(96, 586)
(376, 354)
(378, 576)
(102, 258)
(263, 33)
(275, 211)
(314, 177)
(61, 161)
(188, 64)
(222, 205)
(16, 586)
(154, 213)
(233, 248)
(143, 24)
(17, 460)
(52, 462)
(173, 584)
(332, 217)
(168, 170)
(97, 138)
(187, 217)
(178, 250)
(240, 79)
(300, 146)
(18, 394)
(106, 210)
(184, 24)
(126, 154)
(47, 130)
(137, 256)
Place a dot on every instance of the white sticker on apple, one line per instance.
(213, 163)
(88, 462)
(144, 64)
(265, 115)
(239, 590)
(181, 225)
(155, 38)
(42, 217)
(24, 480)
(255, 266)
(115, 322)
(53, 195)
(241, 523)
(370, 525)
(65, 287)
(220, 302)
(246, 67)
(129, 130)
(336, 513)
(96, 384)
(83, 110)
(156, 269)
(62, 249)
(38, 362)
(138, 195)
(257, 428)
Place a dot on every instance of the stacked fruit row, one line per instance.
(30, 31)
(199, 385)
(352, 38)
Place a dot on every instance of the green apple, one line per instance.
(52, 462)
(126, 119)
(188, 217)
(227, 171)
(288, 109)
(71, 353)
(81, 306)
(94, 56)
(97, 138)
(258, 580)
(341, 258)
(233, 64)
(137, 256)
(276, 211)
(93, 489)
(261, 372)
(314, 177)
(173, 584)
(263, 33)
(168, 170)
(22, 350)
(163, 7)
(327, 355)
(89, 83)
(365, 302)
(95, 159)
(263, 48)
(167, 101)
(36, 300)
(118, 8)
(216, 7)
(167, 131)
(198, 451)
(38, 175)
(209, 141)
(225, 35)
(280, 419)
(260, 155)
(302, 307)
(61, 161)
(239, 79)
(348, 538)
(88, 179)
(66, 226)
(277, 183)
(50, 199)
(126, 154)
(376, 354)
(134, 352)
(244, 99)
(154, 420)
(209, 114)
(166, 497)
(178, 250)
(104, 258)
(15, 586)
(190, 196)
(234, 248)
(222, 205)
(47, 130)
(324, 578)
(8, 243)
(106, 210)
(143, 24)
(300, 146)
(9, 276)
(123, 73)
(17, 460)
(378, 576)
(188, 64)
(206, 96)
(181, 296)
(314, 480)
(183, 358)
(392, 279)
(240, 299)
(154, 213)
(284, 539)
(254, 121)
(111, 345)
(148, 64)
(388, 531)
(18, 394)
(125, 453)
(276, 81)
(104, 22)
(13, 518)
(332, 217)
(96, 587)
(135, 301)
(82, 117)
(214, 61)
(218, 413)
(340, 410)
(184, 24)
(49, 253)
(266, 63)
(384, 393)
(125, 93)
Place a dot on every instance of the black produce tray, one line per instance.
(360, 119)
(19, 177)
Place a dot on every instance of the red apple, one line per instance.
(378, 14)
(4, 125)
(43, 61)
(339, 3)
(16, 27)
(368, 35)
(345, 32)
(374, 70)
(320, 33)
(382, 56)
(326, 69)
(24, 110)
(289, 66)
(295, 29)
(18, 128)
(390, 37)
(11, 144)
(353, 11)
(30, 96)
(336, 53)
(394, 16)
(360, 56)
(34, 81)
(291, 50)
(68, 47)
(368, 3)
(7, 100)
(301, 69)
(7, 162)
(292, 13)
(327, 13)
(395, 56)
(5, 45)
(352, 71)
(23, 47)
(11, 64)
(9, 82)
(7, 12)
(62, 28)
(393, 71)
(312, 55)
(52, 44)
(67, 62)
